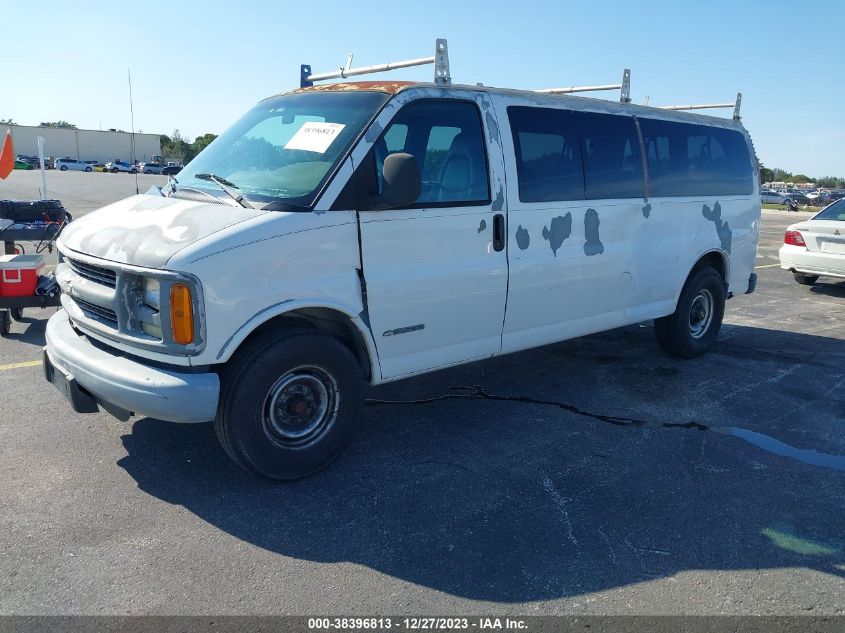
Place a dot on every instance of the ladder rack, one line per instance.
(624, 88)
(705, 106)
(443, 77)
(440, 59)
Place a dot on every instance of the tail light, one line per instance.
(794, 238)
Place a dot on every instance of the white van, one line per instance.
(360, 233)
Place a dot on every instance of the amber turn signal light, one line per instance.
(181, 314)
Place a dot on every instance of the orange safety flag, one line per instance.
(7, 157)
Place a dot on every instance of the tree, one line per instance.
(61, 124)
(199, 144)
(7, 122)
(800, 178)
(766, 174)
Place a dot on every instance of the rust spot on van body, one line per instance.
(390, 87)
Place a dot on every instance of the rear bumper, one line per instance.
(798, 258)
(89, 375)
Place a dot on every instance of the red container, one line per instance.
(19, 274)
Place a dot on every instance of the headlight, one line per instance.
(152, 293)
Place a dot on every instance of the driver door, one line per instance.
(436, 275)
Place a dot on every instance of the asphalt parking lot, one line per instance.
(595, 476)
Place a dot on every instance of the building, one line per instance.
(84, 144)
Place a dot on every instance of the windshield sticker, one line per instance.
(315, 136)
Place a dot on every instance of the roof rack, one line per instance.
(706, 106)
(440, 59)
(624, 88)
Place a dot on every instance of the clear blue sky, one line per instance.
(197, 66)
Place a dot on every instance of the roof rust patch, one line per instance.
(391, 87)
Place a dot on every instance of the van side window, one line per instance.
(447, 140)
(685, 159)
(611, 148)
(548, 155)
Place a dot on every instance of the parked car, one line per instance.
(22, 164)
(150, 168)
(278, 350)
(768, 196)
(171, 170)
(119, 165)
(816, 247)
(799, 198)
(64, 164)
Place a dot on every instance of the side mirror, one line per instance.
(401, 181)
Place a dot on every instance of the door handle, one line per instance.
(498, 232)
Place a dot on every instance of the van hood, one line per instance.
(148, 230)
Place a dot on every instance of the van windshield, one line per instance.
(284, 148)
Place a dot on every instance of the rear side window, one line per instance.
(695, 160)
(611, 149)
(836, 211)
(447, 140)
(548, 155)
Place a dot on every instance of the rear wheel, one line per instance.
(87, 169)
(805, 280)
(691, 330)
(63, 168)
(289, 403)
(16, 314)
(114, 170)
(5, 322)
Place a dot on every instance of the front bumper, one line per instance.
(799, 259)
(86, 373)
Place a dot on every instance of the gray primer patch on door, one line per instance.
(592, 245)
(499, 202)
(482, 226)
(647, 210)
(522, 238)
(560, 229)
(723, 229)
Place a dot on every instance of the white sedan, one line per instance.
(816, 247)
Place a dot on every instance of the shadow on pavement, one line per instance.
(508, 500)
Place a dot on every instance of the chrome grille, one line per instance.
(97, 274)
(90, 309)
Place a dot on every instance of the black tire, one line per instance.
(114, 170)
(691, 330)
(88, 169)
(16, 314)
(805, 280)
(133, 171)
(5, 322)
(263, 420)
(63, 168)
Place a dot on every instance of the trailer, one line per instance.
(39, 221)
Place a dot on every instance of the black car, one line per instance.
(798, 198)
(171, 170)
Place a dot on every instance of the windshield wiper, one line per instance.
(229, 187)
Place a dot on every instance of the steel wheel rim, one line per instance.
(701, 313)
(300, 407)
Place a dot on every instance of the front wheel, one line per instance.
(289, 403)
(63, 168)
(805, 280)
(87, 169)
(691, 330)
(114, 170)
(5, 322)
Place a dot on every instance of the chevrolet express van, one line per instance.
(360, 233)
